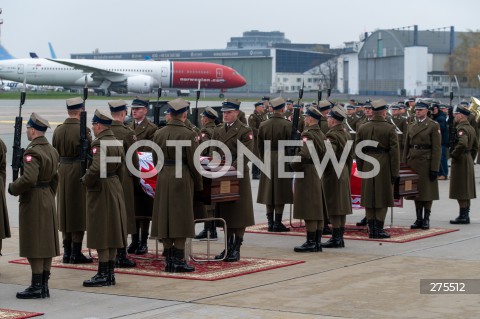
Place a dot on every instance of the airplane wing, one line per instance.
(96, 72)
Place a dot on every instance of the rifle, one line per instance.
(84, 143)
(195, 110)
(319, 96)
(295, 135)
(156, 109)
(452, 131)
(17, 155)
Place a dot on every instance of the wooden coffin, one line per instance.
(220, 189)
(407, 184)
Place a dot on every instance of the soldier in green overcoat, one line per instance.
(254, 121)
(38, 225)
(4, 222)
(422, 153)
(106, 216)
(238, 214)
(462, 181)
(275, 191)
(71, 208)
(377, 191)
(118, 111)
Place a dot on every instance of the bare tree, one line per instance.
(328, 73)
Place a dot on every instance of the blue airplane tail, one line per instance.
(4, 55)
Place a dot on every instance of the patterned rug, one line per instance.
(148, 265)
(17, 314)
(399, 234)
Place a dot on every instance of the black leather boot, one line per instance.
(235, 255)
(463, 217)
(335, 241)
(67, 251)
(342, 231)
(363, 222)
(372, 229)
(134, 244)
(203, 233)
(101, 278)
(270, 221)
(77, 256)
(45, 278)
(309, 246)
(142, 248)
(230, 243)
(278, 227)
(326, 229)
(213, 230)
(179, 263)
(35, 291)
(426, 219)
(318, 239)
(419, 222)
(111, 272)
(381, 233)
(121, 260)
(169, 252)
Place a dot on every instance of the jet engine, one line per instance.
(141, 84)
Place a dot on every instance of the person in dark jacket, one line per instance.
(441, 118)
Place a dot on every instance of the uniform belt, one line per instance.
(69, 160)
(421, 146)
(111, 174)
(42, 185)
(172, 163)
(375, 150)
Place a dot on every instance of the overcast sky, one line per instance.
(121, 25)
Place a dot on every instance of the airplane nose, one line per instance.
(241, 80)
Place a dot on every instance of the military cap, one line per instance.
(313, 112)
(395, 107)
(359, 104)
(421, 105)
(297, 106)
(315, 104)
(117, 106)
(352, 100)
(368, 102)
(411, 99)
(379, 105)
(38, 122)
(75, 103)
(277, 103)
(462, 110)
(259, 103)
(102, 118)
(177, 106)
(338, 113)
(138, 102)
(210, 113)
(289, 101)
(230, 105)
(350, 107)
(266, 98)
(443, 106)
(465, 103)
(324, 105)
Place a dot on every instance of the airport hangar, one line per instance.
(263, 68)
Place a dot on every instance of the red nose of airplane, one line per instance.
(236, 79)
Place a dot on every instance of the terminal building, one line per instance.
(268, 61)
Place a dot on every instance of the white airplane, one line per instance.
(121, 75)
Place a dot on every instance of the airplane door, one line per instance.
(164, 72)
(219, 73)
(20, 69)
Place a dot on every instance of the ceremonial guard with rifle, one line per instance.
(377, 191)
(254, 121)
(106, 216)
(144, 130)
(463, 150)
(422, 153)
(238, 214)
(275, 191)
(71, 193)
(400, 124)
(288, 109)
(4, 221)
(38, 225)
(337, 187)
(309, 199)
(173, 218)
(118, 111)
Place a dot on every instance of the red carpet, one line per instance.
(17, 314)
(203, 271)
(399, 234)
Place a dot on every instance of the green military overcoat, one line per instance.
(254, 121)
(401, 126)
(308, 198)
(377, 192)
(106, 215)
(424, 135)
(462, 181)
(274, 190)
(38, 225)
(4, 223)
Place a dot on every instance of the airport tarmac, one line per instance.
(365, 279)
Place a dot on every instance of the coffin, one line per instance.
(219, 189)
(407, 184)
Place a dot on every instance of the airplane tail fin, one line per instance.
(33, 55)
(52, 53)
(4, 55)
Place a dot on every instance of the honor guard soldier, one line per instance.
(462, 180)
(400, 124)
(254, 121)
(208, 119)
(422, 154)
(4, 223)
(144, 130)
(118, 111)
(308, 198)
(266, 105)
(337, 187)
(38, 224)
(351, 119)
(238, 214)
(410, 103)
(71, 193)
(324, 107)
(440, 117)
(106, 215)
(173, 219)
(377, 192)
(288, 109)
(275, 191)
